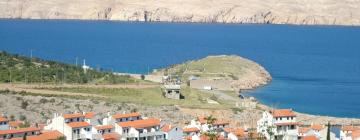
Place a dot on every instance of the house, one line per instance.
(111, 136)
(191, 133)
(112, 119)
(172, 132)
(92, 118)
(218, 125)
(19, 133)
(47, 135)
(172, 91)
(15, 124)
(234, 134)
(349, 132)
(146, 129)
(103, 129)
(279, 122)
(309, 138)
(4, 123)
(73, 126)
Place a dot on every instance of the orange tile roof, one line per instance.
(119, 116)
(309, 138)
(218, 137)
(283, 113)
(2, 119)
(89, 115)
(21, 130)
(140, 123)
(304, 130)
(102, 127)
(317, 127)
(49, 135)
(348, 128)
(15, 123)
(76, 115)
(287, 123)
(191, 129)
(78, 124)
(355, 134)
(166, 128)
(111, 136)
(239, 132)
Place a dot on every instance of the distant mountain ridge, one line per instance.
(300, 12)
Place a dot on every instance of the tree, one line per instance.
(328, 131)
(210, 120)
(142, 77)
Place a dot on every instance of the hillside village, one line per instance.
(278, 124)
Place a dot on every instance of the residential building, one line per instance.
(47, 135)
(92, 118)
(279, 124)
(349, 132)
(19, 133)
(113, 119)
(191, 133)
(234, 134)
(172, 132)
(73, 126)
(15, 124)
(309, 138)
(4, 123)
(147, 129)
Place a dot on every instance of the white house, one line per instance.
(172, 132)
(147, 129)
(19, 133)
(192, 133)
(349, 133)
(278, 124)
(234, 134)
(73, 126)
(112, 119)
(92, 118)
(317, 130)
(107, 132)
(4, 123)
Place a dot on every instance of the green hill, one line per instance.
(19, 69)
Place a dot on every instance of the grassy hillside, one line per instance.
(20, 69)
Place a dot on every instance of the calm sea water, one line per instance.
(315, 69)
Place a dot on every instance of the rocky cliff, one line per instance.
(303, 12)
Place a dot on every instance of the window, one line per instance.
(33, 133)
(287, 118)
(280, 118)
(78, 119)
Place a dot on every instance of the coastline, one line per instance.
(181, 22)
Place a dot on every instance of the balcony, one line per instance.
(148, 134)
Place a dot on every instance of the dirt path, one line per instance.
(42, 91)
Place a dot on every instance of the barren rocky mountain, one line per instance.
(304, 12)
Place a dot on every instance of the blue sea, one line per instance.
(315, 69)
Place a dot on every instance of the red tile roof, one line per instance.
(2, 119)
(49, 135)
(76, 115)
(355, 134)
(15, 123)
(239, 132)
(309, 138)
(348, 128)
(304, 130)
(283, 113)
(191, 129)
(102, 127)
(119, 116)
(140, 123)
(111, 136)
(89, 115)
(21, 130)
(317, 127)
(78, 124)
(166, 128)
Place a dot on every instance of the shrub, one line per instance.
(22, 117)
(24, 105)
(43, 101)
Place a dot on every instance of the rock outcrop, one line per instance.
(302, 12)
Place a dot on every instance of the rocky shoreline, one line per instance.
(298, 12)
